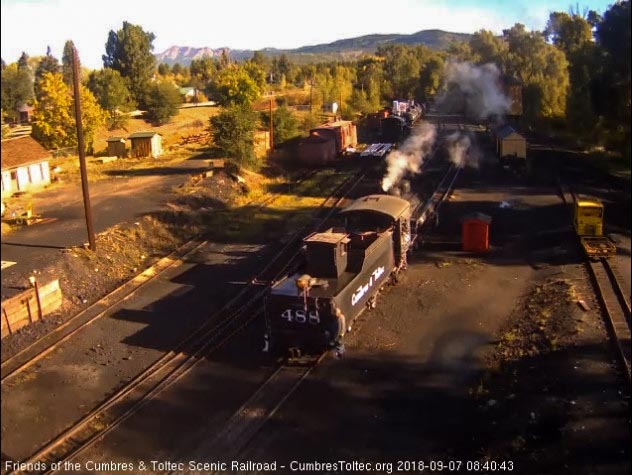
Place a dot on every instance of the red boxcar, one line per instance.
(317, 150)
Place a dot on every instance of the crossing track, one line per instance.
(233, 317)
(37, 350)
(240, 430)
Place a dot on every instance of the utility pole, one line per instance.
(82, 152)
(311, 95)
(340, 108)
(271, 127)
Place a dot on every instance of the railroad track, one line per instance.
(234, 316)
(37, 350)
(242, 427)
(246, 422)
(40, 348)
(431, 207)
(615, 306)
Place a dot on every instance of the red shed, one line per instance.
(475, 232)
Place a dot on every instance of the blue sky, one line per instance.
(32, 25)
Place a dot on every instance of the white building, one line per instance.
(25, 165)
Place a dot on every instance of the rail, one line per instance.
(37, 350)
(615, 307)
(178, 362)
(249, 419)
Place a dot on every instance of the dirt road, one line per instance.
(123, 198)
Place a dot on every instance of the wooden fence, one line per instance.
(197, 138)
(29, 306)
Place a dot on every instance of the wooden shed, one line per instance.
(146, 144)
(117, 147)
(25, 114)
(510, 143)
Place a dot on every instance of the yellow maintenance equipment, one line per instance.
(588, 223)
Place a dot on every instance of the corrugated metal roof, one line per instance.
(139, 135)
(22, 151)
(506, 131)
(383, 204)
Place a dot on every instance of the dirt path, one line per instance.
(123, 198)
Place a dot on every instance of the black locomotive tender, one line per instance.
(397, 126)
(345, 268)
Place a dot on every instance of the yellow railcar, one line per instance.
(588, 218)
(588, 223)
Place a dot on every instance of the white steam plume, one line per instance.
(474, 90)
(410, 156)
(460, 149)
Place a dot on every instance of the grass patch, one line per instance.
(70, 170)
(189, 121)
(243, 220)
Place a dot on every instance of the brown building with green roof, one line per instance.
(146, 144)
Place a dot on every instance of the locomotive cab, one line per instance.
(378, 212)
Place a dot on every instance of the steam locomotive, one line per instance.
(343, 272)
(396, 127)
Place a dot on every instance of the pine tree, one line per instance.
(48, 64)
(66, 62)
(129, 51)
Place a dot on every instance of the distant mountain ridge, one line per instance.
(434, 39)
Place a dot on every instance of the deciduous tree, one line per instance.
(162, 102)
(541, 67)
(54, 120)
(233, 133)
(286, 125)
(110, 90)
(613, 36)
(234, 86)
(17, 89)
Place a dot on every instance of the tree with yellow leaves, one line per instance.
(54, 118)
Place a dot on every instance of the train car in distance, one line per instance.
(588, 224)
(316, 150)
(344, 269)
(327, 142)
(343, 132)
(393, 129)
